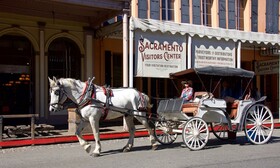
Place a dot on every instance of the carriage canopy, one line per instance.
(213, 71)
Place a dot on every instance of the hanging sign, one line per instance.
(213, 52)
(158, 54)
(267, 67)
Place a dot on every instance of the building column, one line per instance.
(89, 55)
(125, 50)
(125, 58)
(131, 39)
(42, 76)
(37, 83)
(239, 54)
(279, 88)
(189, 52)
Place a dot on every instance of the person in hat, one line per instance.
(187, 92)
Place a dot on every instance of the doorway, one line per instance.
(16, 75)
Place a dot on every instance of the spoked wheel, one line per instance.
(164, 132)
(220, 130)
(195, 133)
(258, 124)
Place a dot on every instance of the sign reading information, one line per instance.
(158, 55)
(213, 52)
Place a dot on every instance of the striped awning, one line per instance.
(204, 31)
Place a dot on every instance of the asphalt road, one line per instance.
(237, 153)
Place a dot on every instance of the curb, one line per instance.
(67, 139)
(73, 138)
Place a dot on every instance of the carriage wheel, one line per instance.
(163, 132)
(258, 124)
(220, 130)
(195, 133)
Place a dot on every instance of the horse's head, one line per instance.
(57, 95)
(146, 101)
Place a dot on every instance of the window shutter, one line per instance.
(142, 9)
(185, 18)
(254, 20)
(155, 9)
(231, 14)
(275, 15)
(196, 12)
(222, 13)
(269, 22)
(272, 14)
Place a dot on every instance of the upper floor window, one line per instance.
(240, 6)
(206, 12)
(167, 10)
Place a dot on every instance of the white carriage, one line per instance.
(206, 113)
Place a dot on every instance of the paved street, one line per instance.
(237, 153)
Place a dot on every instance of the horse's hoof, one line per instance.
(126, 149)
(95, 154)
(154, 147)
(87, 148)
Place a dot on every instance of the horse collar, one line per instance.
(87, 94)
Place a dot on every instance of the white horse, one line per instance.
(121, 101)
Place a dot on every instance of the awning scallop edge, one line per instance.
(203, 31)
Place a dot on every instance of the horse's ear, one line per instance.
(54, 79)
(50, 80)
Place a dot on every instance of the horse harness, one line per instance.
(88, 97)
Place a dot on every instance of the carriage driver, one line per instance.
(187, 92)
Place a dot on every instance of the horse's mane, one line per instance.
(71, 83)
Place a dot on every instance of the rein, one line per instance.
(88, 97)
(58, 92)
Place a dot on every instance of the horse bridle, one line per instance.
(60, 93)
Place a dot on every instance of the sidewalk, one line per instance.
(62, 136)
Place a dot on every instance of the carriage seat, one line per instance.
(190, 108)
(232, 109)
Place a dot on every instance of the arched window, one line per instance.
(64, 59)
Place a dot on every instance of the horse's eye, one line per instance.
(56, 92)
